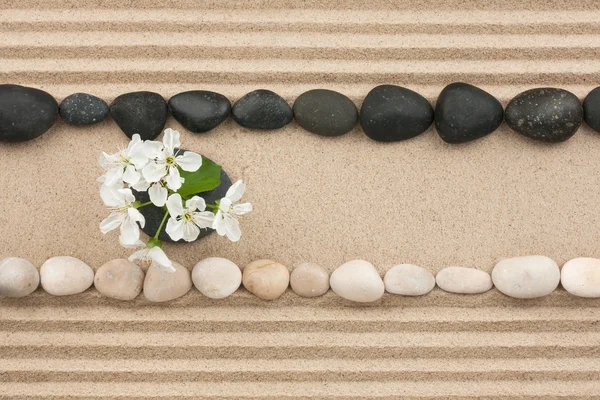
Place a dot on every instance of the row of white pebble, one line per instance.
(519, 277)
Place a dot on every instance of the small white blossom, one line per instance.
(225, 222)
(150, 255)
(164, 163)
(122, 214)
(125, 164)
(185, 223)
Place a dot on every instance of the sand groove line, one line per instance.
(302, 389)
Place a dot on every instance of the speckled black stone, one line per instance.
(199, 110)
(464, 113)
(83, 109)
(144, 113)
(262, 109)
(154, 215)
(25, 113)
(545, 114)
(325, 112)
(591, 109)
(392, 113)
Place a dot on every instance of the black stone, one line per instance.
(154, 215)
(83, 109)
(546, 114)
(25, 113)
(325, 112)
(262, 109)
(199, 110)
(591, 109)
(144, 113)
(391, 113)
(464, 113)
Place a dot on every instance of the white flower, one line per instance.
(225, 222)
(185, 223)
(125, 164)
(150, 255)
(164, 162)
(122, 213)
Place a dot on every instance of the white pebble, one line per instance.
(216, 277)
(65, 275)
(162, 284)
(526, 277)
(581, 277)
(463, 280)
(18, 277)
(358, 281)
(408, 280)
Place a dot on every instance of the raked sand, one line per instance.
(324, 200)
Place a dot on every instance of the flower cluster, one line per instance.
(173, 180)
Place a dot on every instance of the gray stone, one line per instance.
(144, 113)
(83, 109)
(199, 110)
(325, 112)
(262, 109)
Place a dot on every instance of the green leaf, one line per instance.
(206, 178)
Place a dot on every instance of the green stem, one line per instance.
(161, 225)
(144, 204)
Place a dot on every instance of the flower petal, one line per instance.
(113, 221)
(113, 176)
(158, 256)
(126, 195)
(158, 194)
(174, 178)
(195, 203)
(233, 229)
(175, 229)
(235, 192)
(190, 232)
(241, 209)
(189, 161)
(136, 216)
(110, 196)
(141, 185)
(130, 231)
(171, 140)
(175, 205)
(204, 219)
(131, 176)
(154, 172)
(219, 223)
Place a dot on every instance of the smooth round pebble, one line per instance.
(463, 280)
(18, 277)
(581, 277)
(464, 113)
(262, 109)
(119, 279)
(545, 114)
(83, 109)
(392, 113)
(526, 277)
(25, 113)
(266, 279)
(199, 110)
(144, 113)
(358, 281)
(216, 277)
(162, 284)
(65, 275)
(309, 280)
(325, 112)
(409, 280)
(591, 109)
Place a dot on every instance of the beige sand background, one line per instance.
(326, 200)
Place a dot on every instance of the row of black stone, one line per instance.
(389, 113)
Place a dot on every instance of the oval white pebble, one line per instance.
(526, 277)
(18, 277)
(581, 277)
(408, 280)
(65, 275)
(463, 280)
(162, 284)
(216, 277)
(357, 280)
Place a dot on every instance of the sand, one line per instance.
(325, 200)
